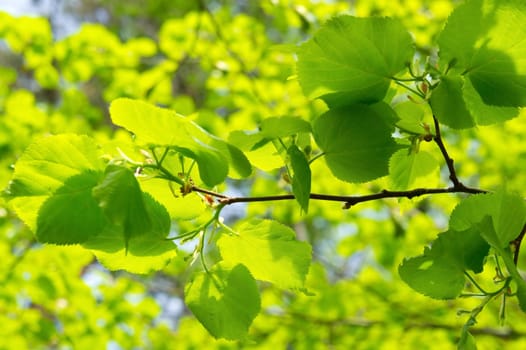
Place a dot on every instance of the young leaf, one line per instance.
(405, 166)
(51, 189)
(502, 248)
(439, 272)
(225, 301)
(301, 179)
(457, 104)
(449, 106)
(139, 254)
(507, 211)
(283, 126)
(467, 342)
(484, 41)
(121, 199)
(270, 251)
(351, 60)
(158, 126)
(356, 141)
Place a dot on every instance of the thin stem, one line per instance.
(201, 251)
(408, 79)
(516, 243)
(416, 92)
(472, 280)
(317, 156)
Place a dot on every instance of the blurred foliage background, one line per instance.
(228, 65)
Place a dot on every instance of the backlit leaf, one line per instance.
(352, 60)
(406, 166)
(138, 254)
(301, 178)
(283, 126)
(439, 272)
(270, 251)
(51, 189)
(225, 301)
(484, 41)
(507, 211)
(121, 199)
(356, 141)
(457, 104)
(157, 126)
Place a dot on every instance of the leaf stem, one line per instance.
(317, 156)
(414, 91)
(472, 280)
(201, 251)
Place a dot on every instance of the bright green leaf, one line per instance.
(356, 141)
(483, 113)
(352, 60)
(457, 104)
(283, 126)
(405, 166)
(225, 301)
(434, 277)
(121, 199)
(410, 116)
(71, 215)
(449, 106)
(270, 251)
(301, 178)
(484, 41)
(140, 254)
(158, 126)
(467, 342)
(507, 211)
(439, 272)
(51, 189)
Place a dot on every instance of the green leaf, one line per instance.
(240, 165)
(140, 254)
(225, 301)
(507, 211)
(493, 238)
(439, 272)
(51, 189)
(448, 104)
(521, 294)
(405, 166)
(484, 41)
(277, 127)
(410, 116)
(356, 141)
(352, 60)
(157, 126)
(301, 178)
(484, 114)
(71, 215)
(121, 199)
(467, 342)
(435, 277)
(457, 104)
(270, 251)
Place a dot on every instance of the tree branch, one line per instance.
(516, 243)
(449, 161)
(348, 201)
